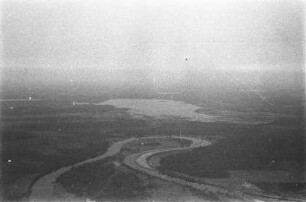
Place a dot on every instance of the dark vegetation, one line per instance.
(147, 144)
(280, 188)
(102, 181)
(41, 136)
(275, 146)
(123, 187)
(87, 179)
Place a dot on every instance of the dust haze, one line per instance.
(131, 43)
(152, 100)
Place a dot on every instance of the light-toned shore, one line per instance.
(171, 109)
(160, 109)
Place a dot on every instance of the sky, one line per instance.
(128, 41)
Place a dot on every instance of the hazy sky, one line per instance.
(112, 40)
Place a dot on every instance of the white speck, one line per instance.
(30, 98)
(11, 108)
(59, 129)
(10, 161)
(89, 200)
